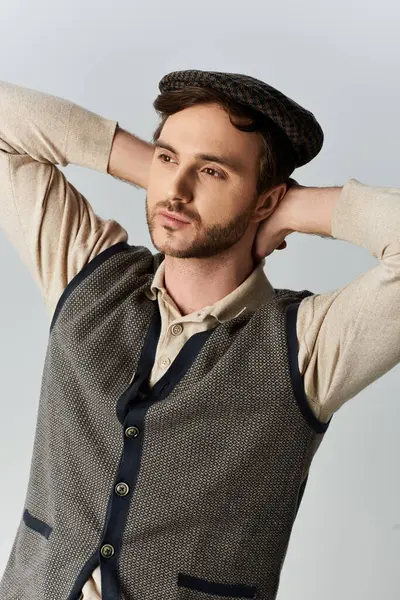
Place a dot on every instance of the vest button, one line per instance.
(132, 432)
(107, 550)
(122, 489)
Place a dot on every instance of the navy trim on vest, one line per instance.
(131, 411)
(36, 524)
(297, 379)
(108, 566)
(220, 589)
(83, 576)
(84, 272)
(164, 385)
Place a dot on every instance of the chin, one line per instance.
(164, 245)
(177, 250)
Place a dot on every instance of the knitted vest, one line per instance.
(187, 491)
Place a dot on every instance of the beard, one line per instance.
(211, 241)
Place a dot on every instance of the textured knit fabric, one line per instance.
(297, 123)
(212, 480)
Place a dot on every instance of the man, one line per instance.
(183, 397)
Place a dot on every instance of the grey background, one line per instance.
(340, 60)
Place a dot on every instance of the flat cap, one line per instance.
(298, 123)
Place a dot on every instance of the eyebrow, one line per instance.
(229, 162)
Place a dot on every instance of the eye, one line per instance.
(219, 175)
(161, 155)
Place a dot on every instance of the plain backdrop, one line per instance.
(340, 60)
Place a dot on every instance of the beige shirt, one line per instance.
(347, 338)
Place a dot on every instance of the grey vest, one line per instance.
(187, 491)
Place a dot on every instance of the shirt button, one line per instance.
(176, 329)
(132, 432)
(164, 362)
(107, 550)
(122, 489)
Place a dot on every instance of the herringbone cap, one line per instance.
(298, 123)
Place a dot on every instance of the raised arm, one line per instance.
(53, 226)
(351, 335)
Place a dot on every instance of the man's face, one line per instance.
(217, 199)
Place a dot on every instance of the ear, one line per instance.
(268, 202)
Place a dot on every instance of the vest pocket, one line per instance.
(218, 590)
(36, 524)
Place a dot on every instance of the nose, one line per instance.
(179, 188)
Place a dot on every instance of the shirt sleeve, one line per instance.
(50, 223)
(350, 337)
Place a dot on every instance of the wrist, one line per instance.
(309, 209)
(130, 158)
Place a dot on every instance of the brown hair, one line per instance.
(277, 160)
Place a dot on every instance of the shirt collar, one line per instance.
(249, 295)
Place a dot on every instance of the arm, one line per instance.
(52, 226)
(349, 337)
(130, 158)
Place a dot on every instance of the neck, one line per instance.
(194, 283)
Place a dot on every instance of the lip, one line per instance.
(171, 217)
